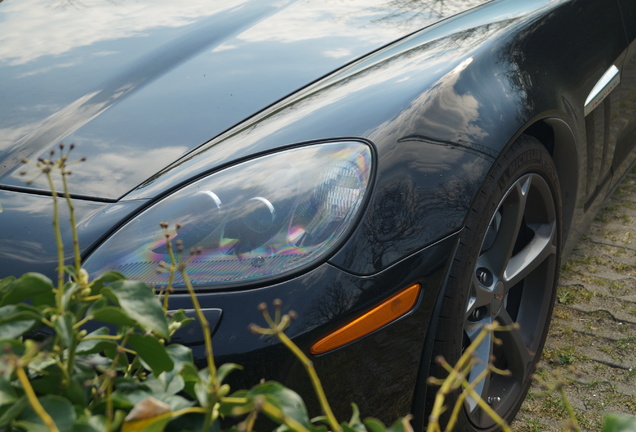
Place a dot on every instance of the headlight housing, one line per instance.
(255, 221)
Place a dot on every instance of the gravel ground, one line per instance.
(592, 340)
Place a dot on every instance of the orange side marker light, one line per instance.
(389, 310)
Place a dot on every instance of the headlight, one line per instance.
(258, 220)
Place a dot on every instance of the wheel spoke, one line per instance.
(482, 358)
(542, 246)
(480, 296)
(512, 212)
(519, 357)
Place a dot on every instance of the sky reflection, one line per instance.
(160, 78)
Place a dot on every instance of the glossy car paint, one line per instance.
(106, 83)
(155, 104)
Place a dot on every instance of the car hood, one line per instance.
(136, 85)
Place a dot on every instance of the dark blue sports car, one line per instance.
(399, 172)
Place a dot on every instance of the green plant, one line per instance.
(456, 380)
(57, 375)
(619, 423)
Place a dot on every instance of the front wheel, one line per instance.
(505, 271)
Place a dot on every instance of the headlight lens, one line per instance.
(254, 221)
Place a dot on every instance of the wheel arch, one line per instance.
(557, 137)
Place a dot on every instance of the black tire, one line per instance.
(505, 269)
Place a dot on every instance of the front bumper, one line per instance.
(378, 372)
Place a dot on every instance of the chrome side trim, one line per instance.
(608, 82)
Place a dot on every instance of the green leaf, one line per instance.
(60, 410)
(8, 394)
(96, 423)
(149, 415)
(152, 352)
(49, 381)
(224, 370)
(180, 355)
(347, 428)
(152, 424)
(28, 287)
(171, 386)
(127, 400)
(401, 425)
(319, 428)
(20, 311)
(178, 320)
(13, 412)
(12, 345)
(157, 384)
(14, 313)
(201, 393)
(374, 425)
(70, 288)
(92, 346)
(191, 377)
(194, 422)
(619, 423)
(77, 392)
(288, 401)
(138, 301)
(176, 402)
(355, 417)
(15, 329)
(190, 372)
(112, 315)
(64, 329)
(99, 303)
(93, 362)
(152, 415)
(5, 283)
(227, 409)
(105, 279)
(52, 380)
(85, 427)
(114, 353)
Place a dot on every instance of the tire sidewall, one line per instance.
(525, 156)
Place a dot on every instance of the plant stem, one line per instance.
(71, 211)
(456, 378)
(293, 424)
(205, 326)
(315, 381)
(60, 246)
(70, 358)
(103, 337)
(173, 268)
(568, 406)
(108, 382)
(489, 411)
(450, 382)
(65, 371)
(33, 400)
(460, 400)
(213, 383)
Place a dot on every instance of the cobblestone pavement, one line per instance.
(592, 341)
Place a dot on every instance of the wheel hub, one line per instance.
(498, 296)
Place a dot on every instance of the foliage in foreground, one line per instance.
(92, 355)
(123, 376)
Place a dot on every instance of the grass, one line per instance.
(624, 268)
(566, 355)
(571, 294)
